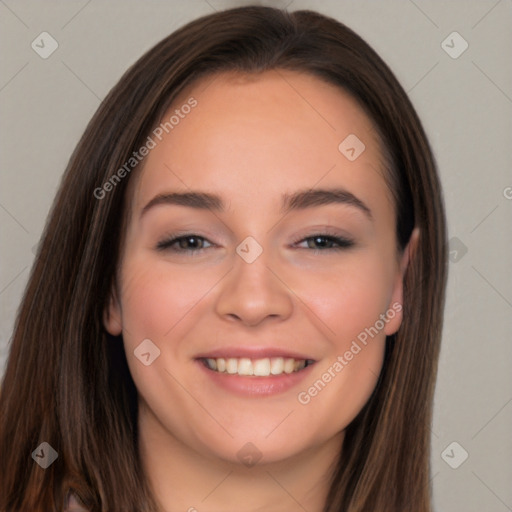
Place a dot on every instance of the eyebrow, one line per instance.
(299, 200)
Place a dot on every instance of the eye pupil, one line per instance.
(321, 241)
(185, 240)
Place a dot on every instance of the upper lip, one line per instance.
(252, 353)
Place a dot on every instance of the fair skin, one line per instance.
(251, 140)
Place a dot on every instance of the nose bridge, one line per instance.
(252, 291)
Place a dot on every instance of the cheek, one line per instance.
(349, 302)
(156, 299)
(349, 298)
(162, 305)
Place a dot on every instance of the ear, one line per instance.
(112, 318)
(395, 307)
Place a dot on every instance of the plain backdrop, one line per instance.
(464, 99)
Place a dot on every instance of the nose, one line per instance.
(254, 292)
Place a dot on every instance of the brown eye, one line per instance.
(324, 242)
(184, 243)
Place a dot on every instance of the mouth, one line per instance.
(261, 367)
(254, 371)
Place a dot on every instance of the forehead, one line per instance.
(251, 134)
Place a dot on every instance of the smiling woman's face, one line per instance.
(261, 276)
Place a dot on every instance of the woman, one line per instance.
(237, 303)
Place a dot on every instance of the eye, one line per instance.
(193, 243)
(184, 243)
(326, 242)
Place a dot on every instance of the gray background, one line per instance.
(465, 104)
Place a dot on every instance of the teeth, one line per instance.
(276, 365)
(258, 367)
(232, 365)
(245, 366)
(289, 365)
(261, 367)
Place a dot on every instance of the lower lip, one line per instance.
(247, 385)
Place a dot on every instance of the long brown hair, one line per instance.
(67, 381)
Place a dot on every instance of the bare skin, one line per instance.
(250, 140)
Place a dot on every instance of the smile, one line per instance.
(264, 367)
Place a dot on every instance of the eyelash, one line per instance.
(343, 243)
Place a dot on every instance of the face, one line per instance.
(267, 305)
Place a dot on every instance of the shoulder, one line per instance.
(73, 505)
